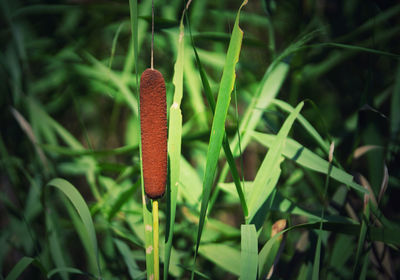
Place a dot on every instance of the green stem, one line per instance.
(155, 240)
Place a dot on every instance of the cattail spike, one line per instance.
(153, 122)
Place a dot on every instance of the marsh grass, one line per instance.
(72, 198)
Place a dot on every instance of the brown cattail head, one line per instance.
(153, 122)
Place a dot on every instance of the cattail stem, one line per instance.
(152, 36)
(155, 241)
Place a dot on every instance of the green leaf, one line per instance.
(82, 152)
(249, 253)
(267, 255)
(303, 121)
(304, 157)
(68, 270)
(225, 142)
(268, 89)
(134, 271)
(356, 48)
(268, 173)
(218, 126)
(285, 205)
(81, 207)
(54, 243)
(222, 255)
(342, 251)
(121, 200)
(19, 268)
(317, 257)
(174, 148)
(361, 239)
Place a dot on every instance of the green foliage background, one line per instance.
(250, 132)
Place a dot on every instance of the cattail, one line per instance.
(153, 122)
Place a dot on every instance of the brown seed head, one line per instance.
(153, 125)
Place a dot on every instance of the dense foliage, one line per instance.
(311, 144)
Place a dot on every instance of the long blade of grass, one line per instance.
(26, 127)
(114, 45)
(76, 221)
(225, 142)
(339, 257)
(174, 147)
(133, 268)
(386, 235)
(304, 157)
(81, 207)
(249, 253)
(139, 33)
(123, 88)
(304, 122)
(362, 236)
(218, 126)
(355, 48)
(270, 253)
(317, 257)
(19, 268)
(123, 198)
(265, 180)
(48, 122)
(133, 11)
(65, 151)
(284, 205)
(54, 243)
(69, 270)
(222, 255)
(373, 22)
(267, 90)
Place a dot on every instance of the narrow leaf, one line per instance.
(81, 207)
(218, 126)
(266, 177)
(304, 157)
(174, 148)
(249, 253)
(19, 268)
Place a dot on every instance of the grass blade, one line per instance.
(121, 200)
(68, 270)
(270, 253)
(133, 268)
(362, 236)
(311, 130)
(304, 157)
(54, 244)
(225, 142)
(266, 177)
(19, 268)
(249, 253)
(81, 207)
(356, 48)
(222, 255)
(218, 126)
(317, 257)
(174, 147)
(267, 90)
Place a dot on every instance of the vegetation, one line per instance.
(283, 139)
